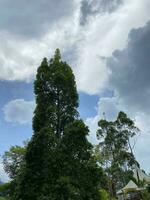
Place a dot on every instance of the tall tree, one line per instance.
(58, 159)
(116, 149)
(56, 95)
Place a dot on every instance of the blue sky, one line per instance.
(15, 130)
(13, 133)
(107, 44)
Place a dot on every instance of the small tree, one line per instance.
(13, 160)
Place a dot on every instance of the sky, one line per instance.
(107, 44)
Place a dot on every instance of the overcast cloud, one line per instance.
(92, 7)
(130, 71)
(31, 19)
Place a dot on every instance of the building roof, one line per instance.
(130, 185)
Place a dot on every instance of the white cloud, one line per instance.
(104, 32)
(102, 35)
(107, 108)
(19, 57)
(19, 111)
(23, 60)
(130, 71)
(32, 21)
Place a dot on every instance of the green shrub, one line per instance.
(2, 198)
(104, 194)
(145, 195)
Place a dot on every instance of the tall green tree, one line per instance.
(56, 95)
(115, 149)
(58, 160)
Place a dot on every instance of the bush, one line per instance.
(2, 198)
(145, 195)
(104, 194)
(4, 190)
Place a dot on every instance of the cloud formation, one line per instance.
(19, 111)
(130, 71)
(29, 33)
(31, 19)
(92, 7)
(107, 108)
(104, 33)
(24, 45)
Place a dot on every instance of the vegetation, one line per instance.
(59, 163)
(12, 160)
(115, 150)
(4, 191)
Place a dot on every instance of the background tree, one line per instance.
(115, 149)
(84, 174)
(4, 191)
(13, 159)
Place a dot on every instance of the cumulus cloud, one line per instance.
(130, 70)
(107, 108)
(19, 55)
(19, 58)
(19, 111)
(93, 7)
(30, 19)
(25, 44)
(104, 33)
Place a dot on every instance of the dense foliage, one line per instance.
(58, 162)
(56, 95)
(13, 159)
(115, 150)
